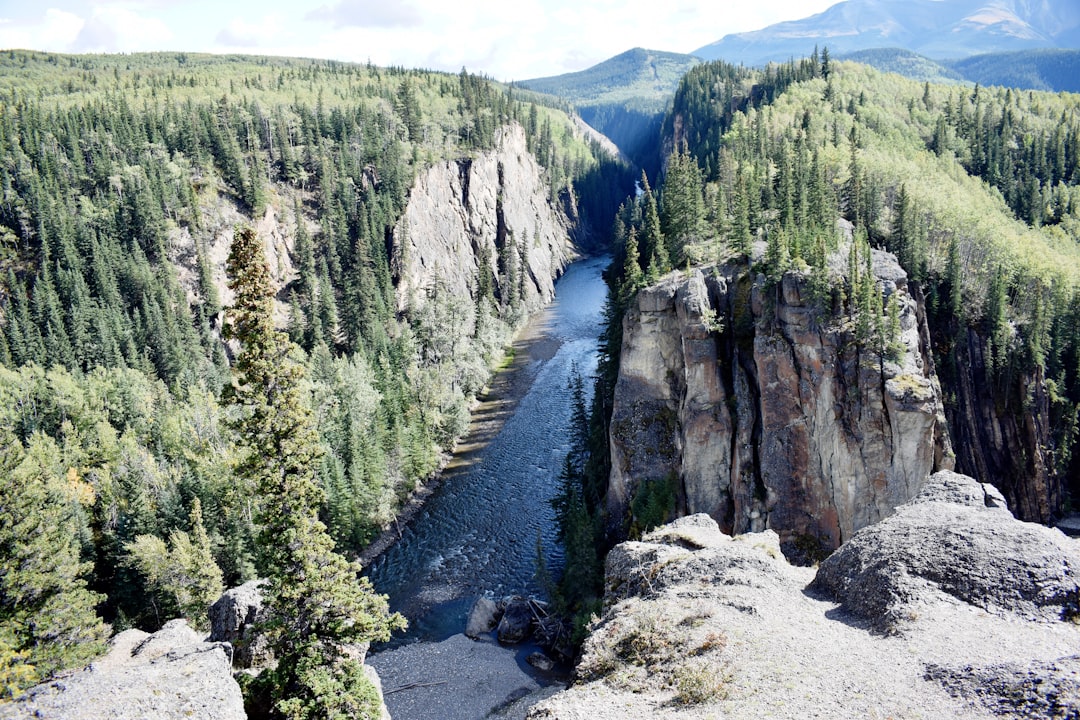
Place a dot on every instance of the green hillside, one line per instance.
(976, 191)
(117, 402)
(907, 63)
(640, 79)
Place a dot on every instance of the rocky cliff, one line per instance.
(897, 623)
(1002, 428)
(490, 214)
(763, 410)
(494, 210)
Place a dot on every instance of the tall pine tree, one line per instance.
(47, 618)
(317, 600)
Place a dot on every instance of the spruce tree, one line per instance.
(653, 244)
(632, 276)
(682, 206)
(317, 600)
(47, 617)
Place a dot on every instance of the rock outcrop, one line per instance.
(169, 675)
(698, 624)
(234, 619)
(958, 539)
(764, 412)
(489, 214)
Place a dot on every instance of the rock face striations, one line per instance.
(764, 411)
(698, 624)
(490, 213)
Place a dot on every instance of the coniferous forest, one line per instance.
(975, 190)
(133, 379)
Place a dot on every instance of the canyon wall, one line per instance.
(491, 211)
(762, 409)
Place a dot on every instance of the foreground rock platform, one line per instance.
(169, 675)
(698, 624)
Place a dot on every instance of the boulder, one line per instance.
(954, 540)
(483, 617)
(541, 662)
(170, 675)
(517, 621)
(1022, 690)
(234, 619)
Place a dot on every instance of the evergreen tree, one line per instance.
(741, 232)
(653, 243)
(632, 277)
(317, 600)
(682, 206)
(184, 573)
(47, 617)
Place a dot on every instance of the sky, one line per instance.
(506, 39)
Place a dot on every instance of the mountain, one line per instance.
(644, 79)
(623, 97)
(1055, 70)
(936, 28)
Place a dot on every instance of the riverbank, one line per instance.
(496, 403)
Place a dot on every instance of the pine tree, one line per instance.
(894, 346)
(184, 574)
(632, 277)
(47, 618)
(741, 232)
(682, 206)
(653, 244)
(317, 600)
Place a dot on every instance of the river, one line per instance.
(477, 533)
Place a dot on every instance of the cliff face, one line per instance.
(461, 214)
(492, 211)
(1002, 430)
(766, 413)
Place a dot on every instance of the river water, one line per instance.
(477, 534)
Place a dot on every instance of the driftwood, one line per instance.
(414, 685)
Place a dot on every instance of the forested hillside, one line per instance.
(117, 174)
(975, 191)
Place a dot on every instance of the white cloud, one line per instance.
(368, 14)
(244, 34)
(113, 28)
(54, 30)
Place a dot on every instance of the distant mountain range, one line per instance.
(1027, 44)
(939, 29)
(1052, 70)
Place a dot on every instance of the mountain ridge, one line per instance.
(940, 30)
